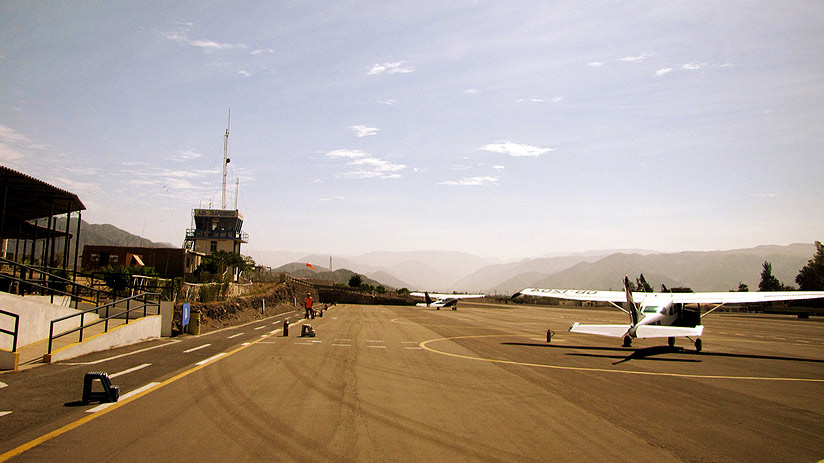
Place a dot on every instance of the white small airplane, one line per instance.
(661, 315)
(442, 300)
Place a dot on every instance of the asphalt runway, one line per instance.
(381, 383)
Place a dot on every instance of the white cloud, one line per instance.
(11, 135)
(364, 165)
(530, 100)
(633, 59)
(364, 131)
(693, 66)
(595, 64)
(516, 149)
(185, 155)
(471, 91)
(389, 102)
(182, 38)
(351, 154)
(14, 145)
(245, 73)
(390, 68)
(557, 99)
(663, 71)
(261, 51)
(472, 181)
(498, 167)
(7, 153)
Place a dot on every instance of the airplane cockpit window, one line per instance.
(651, 309)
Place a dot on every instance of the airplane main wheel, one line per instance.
(455, 308)
(437, 308)
(671, 341)
(698, 345)
(627, 341)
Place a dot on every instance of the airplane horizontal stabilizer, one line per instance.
(655, 331)
(615, 331)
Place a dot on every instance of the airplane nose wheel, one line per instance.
(671, 341)
(698, 345)
(627, 341)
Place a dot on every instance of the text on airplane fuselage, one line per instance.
(566, 291)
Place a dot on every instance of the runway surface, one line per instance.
(481, 383)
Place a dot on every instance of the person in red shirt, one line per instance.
(308, 304)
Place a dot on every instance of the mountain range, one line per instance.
(458, 271)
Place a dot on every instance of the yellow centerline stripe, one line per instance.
(597, 370)
(51, 435)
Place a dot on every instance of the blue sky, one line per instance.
(503, 129)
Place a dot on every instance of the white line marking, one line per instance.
(260, 327)
(414, 348)
(410, 342)
(214, 357)
(121, 355)
(343, 345)
(245, 343)
(124, 396)
(4, 413)
(196, 348)
(275, 332)
(235, 335)
(115, 375)
(376, 347)
(369, 340)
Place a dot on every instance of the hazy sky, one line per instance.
(504, 129)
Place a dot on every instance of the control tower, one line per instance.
(217, 229)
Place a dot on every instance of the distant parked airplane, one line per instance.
(443, 300)
(661, 315)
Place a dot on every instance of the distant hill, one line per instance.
(340, 276)
(701, 271)
(94, 234)
(455, 271)
(110, 235)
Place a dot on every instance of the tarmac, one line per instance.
(385, 383)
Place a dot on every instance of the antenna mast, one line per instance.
(237, 190)
(225, 161)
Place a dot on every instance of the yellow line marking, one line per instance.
(598, 370)
(57, 432)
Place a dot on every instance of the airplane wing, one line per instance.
(447, 296)
(643, 331)
(614, 331)
(744, 297)
(577, 294)
(655, 331)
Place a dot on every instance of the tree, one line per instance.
(643, 286)
(811, 277)
(742, 288)
(355, 281)
(768, 281)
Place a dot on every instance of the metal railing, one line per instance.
(46, 283)
(141, 299)
(13, 333)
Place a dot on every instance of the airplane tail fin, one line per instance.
(428, 299)
(633, 309)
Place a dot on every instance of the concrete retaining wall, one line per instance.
(35, 315)
(136, 331)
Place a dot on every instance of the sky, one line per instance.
(502, 129)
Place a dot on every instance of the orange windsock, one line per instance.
(310, 265)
